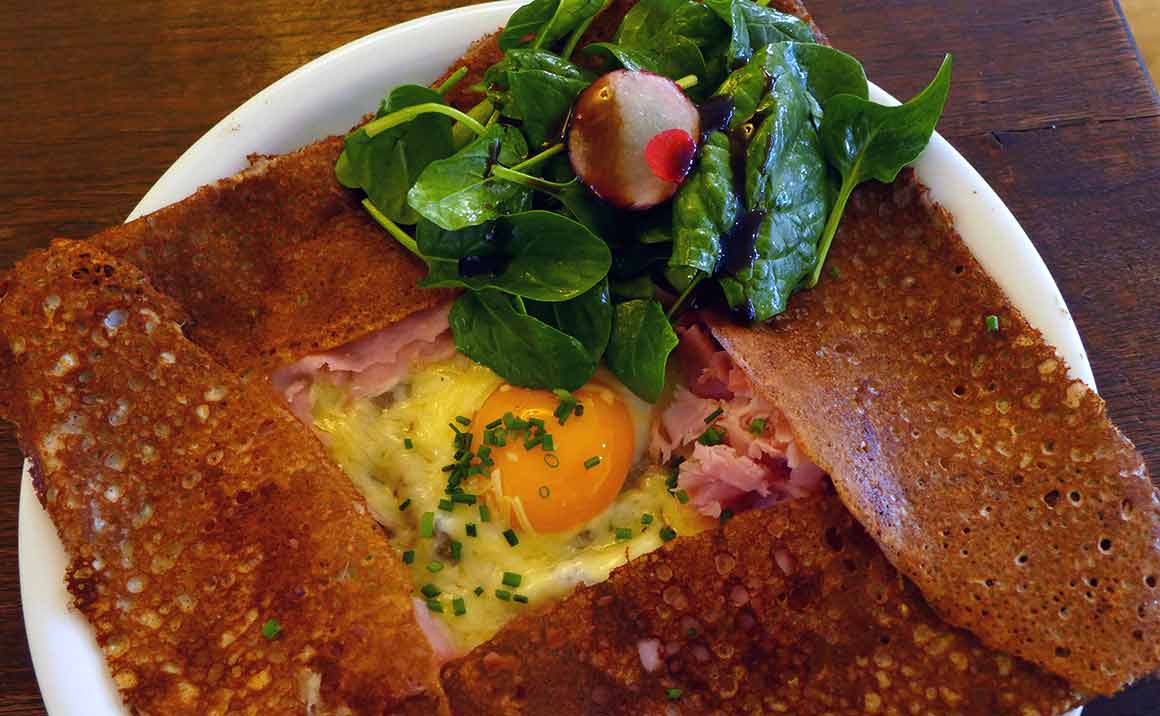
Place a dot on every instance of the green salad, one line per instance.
(702, 157)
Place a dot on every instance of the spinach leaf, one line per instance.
(615, 55)
(587, 317)
(576, 198)
(639, 287)
(541, 23)
(460, 191)
(863, 140)
(525, 351)
(640, 345)
(754, 26)
(539, 255)
(642, 24)
(786, 178)
(824, 70)
(704, 208)
(386, 165)
(538, 87)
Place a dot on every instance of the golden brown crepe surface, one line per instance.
(989, 477)
(275, 263)
(194, 510)
(841, 633)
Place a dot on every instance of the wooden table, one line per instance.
(1049, 102)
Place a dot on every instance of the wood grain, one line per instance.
(1049, 103)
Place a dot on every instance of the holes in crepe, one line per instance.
(834, 539)
(989, 582)
(1126, 508)
(1048, 447)
(959, 390)
(1075, 497)
(1022, 559)
(1105, 545)
(884, 639)
(1051, 499)
(1150, 580)
(959, 269)
(1017, 479)
(1062, 652)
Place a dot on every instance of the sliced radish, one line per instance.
(632, 138)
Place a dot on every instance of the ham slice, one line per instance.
(373, 364)
(756, 464)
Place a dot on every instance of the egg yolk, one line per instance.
(565, 487)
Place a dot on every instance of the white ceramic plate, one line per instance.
(328, 96)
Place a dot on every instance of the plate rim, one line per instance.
(960, 189)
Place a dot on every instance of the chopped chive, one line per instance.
(494, 424)
(455, 428)
(271, 629)
(623, 533)
(434, 606)
(409, 556)
(691, 632)
(726, 515)
(430, 591)
(458, 606)
(484, 454)
(456, 550)
(499, 437)
(511, 537)
(757, 426)
(434, 566)
(682, 496)
(673, 694)
(404, 504)
(446, 505)
(591, 462)
(992, 323)
(462, 420)
(532, 440)
(521, 598)
(512, 579)
(548, 443)
(646, 519)
(465, 498)
(578, 410)
(484, 514)
(427, 525)
(408, 443)
(712, 436)
(671, 481)
(835, 272)
(470, 529)
(503, 594)
(478, 591)
(536, 422)
(713, 416)
(474, 470)
(668, 533)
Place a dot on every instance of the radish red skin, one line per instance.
(670, 155)
(614, 122)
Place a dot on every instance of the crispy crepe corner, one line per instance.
(792, 609)
(274, 263)
(197, 513)
(989, 476)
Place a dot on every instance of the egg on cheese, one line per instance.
(503, 498)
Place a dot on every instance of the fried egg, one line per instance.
(501, 498)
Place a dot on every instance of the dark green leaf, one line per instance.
(386, 165)
(543, 100)
(639, 287)
(864, 140)
(632, 60)
(640, 345)
(545, 256)
(459, 191)
(541, 23)
(786, 177)
(704, 208)
(587, 318)
(824, 70)
(497, 79)
(685, 37)
(754, 26)
(522, 349)
(642, 24)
